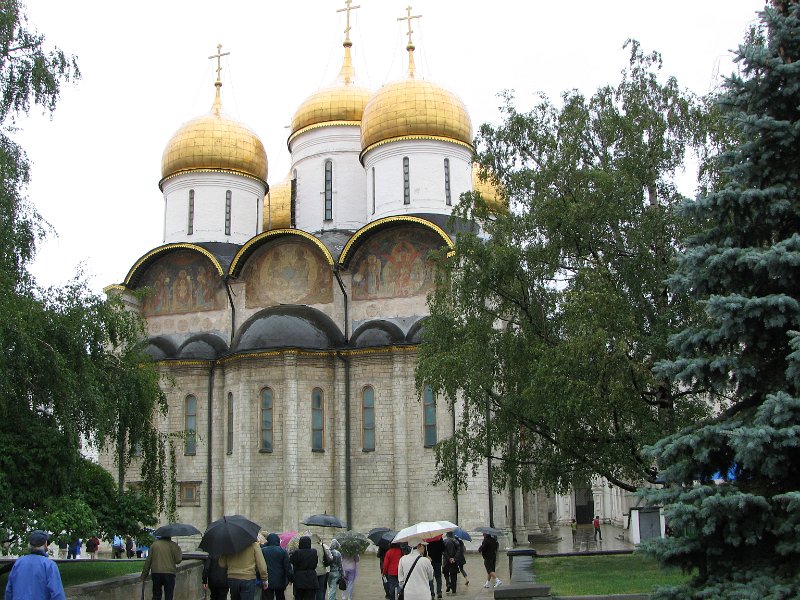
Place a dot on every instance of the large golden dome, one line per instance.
(214, 142)
(489, 190)
(339, 104)
(278, 205)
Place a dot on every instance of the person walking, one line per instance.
(117, 547)
(350, 567)
(130, 548)
(162, 565)
(279, 570)
(325, 558)
(597, 532)
(242, 568)
(336, 569)
(304, 562)
(92, 545)
(488, 550)
(435, 552)
(391, 562)
(35, 575)
(573, 525)
(63, 549)
(215, 578)
(415, 572)
(450, 560)
(462, 559)
(383, 548)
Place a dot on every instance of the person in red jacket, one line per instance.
(391, 560)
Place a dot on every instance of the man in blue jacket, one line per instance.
(34, 576)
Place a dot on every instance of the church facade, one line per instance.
(288, 316)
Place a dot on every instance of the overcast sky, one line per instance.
(96, 164)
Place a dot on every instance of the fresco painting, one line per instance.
(182, 282)
(287, 272)
(394, 265)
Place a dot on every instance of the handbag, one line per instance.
(342, 583)
(401, 595)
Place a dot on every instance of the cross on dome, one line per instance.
(410, 46)
(219, 56)
(347, 10)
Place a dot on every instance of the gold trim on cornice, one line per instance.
(167, 248)
(277, 233)
(398, 219)
(325, 124)
(288, 352)
(114, 287)
(228, 171)
(404, 138)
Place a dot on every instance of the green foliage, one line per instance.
(744, 267)
(600, 575)
(550, 319)
(71, 366)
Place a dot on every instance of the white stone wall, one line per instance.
(341, 145)
(247, 206)
(426, 177)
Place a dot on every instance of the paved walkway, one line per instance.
(368, 586)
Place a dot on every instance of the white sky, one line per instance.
(96, 164)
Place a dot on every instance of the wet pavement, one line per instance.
(368, 585)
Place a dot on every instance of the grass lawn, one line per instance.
(84, 571)
(614, 574)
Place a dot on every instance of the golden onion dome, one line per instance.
(278, 205)
(489, 189)
(214, 142)
(339, 104)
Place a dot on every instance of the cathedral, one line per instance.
(288, 316)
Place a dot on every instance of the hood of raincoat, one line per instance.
(273, 540)
(305, 542)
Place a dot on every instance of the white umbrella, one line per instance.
(424, 529)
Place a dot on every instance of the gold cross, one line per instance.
(347, 10)
(219, 56)
(408, 18)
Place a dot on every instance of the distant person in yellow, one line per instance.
(242, 571)
(163, 561)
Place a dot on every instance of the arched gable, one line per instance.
(362, 235)
(377, 333)
(288, 327)
(253, 244)
(285, 268)
(181, 279)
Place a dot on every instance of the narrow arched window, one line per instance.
(228, 196)
(190, 224)
(267, 407)
(328, 190)
(317, 420)
(293, 201)
(190, 425)
(368, 419)
(229, 444)
(448, 200)
(373, 190)
(406, 182)
(429, 417)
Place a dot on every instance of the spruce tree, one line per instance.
(740, 537)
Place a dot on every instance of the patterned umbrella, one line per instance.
(286, 537)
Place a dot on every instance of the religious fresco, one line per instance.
(182, 282)
(394, 264)
(287, 272)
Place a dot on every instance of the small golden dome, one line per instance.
(489, 189)
(278, 205)
(415, 108)
(339, 104)
(214, 142)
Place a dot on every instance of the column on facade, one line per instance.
(473, 502)
(339, 441)
(401, 400)
(290, 407)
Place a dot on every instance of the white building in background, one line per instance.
(289, 316)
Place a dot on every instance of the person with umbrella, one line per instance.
(242, 567)
(488, 550)
(435, 552)
(415, 572)
(215, 578)
(163, 561)
(452, 558)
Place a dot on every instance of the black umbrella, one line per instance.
(325, 521)
(489, 531)
(376, 533)
(174, 529)
(228, 535)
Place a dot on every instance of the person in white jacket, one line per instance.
(415, 572)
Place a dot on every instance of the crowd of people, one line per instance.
(316, 571)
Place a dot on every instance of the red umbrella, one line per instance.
(286, 537)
